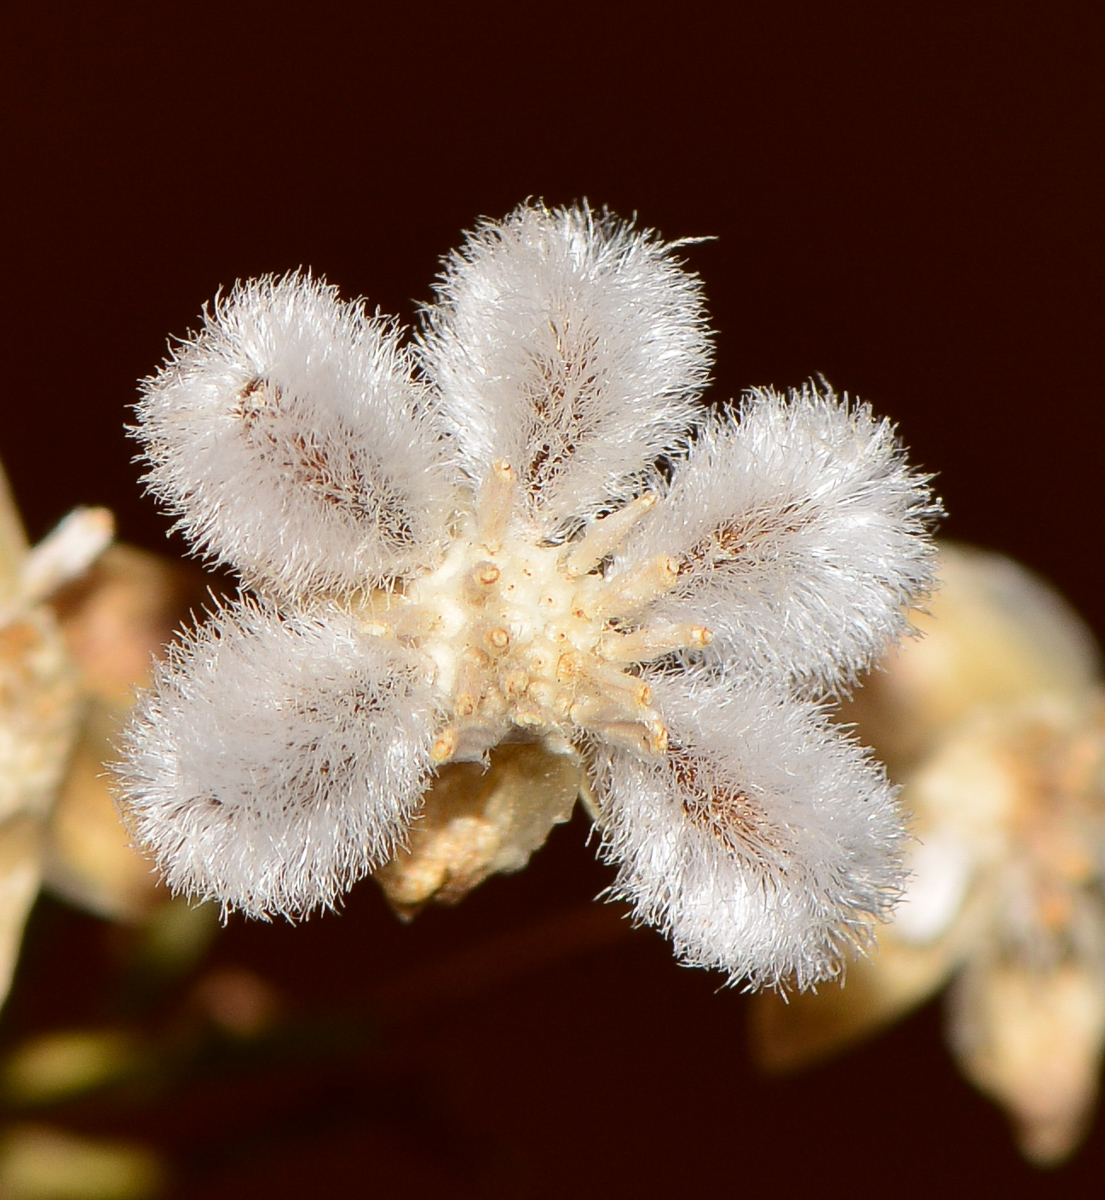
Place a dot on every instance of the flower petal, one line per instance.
(293, 443)
(764, 842)
(570, 344)
(277, 759)
(802, 534)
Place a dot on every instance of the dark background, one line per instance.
(906, 197)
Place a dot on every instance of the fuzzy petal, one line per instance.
(764, 843)
(802, 532)
(293, 443)
(277, 759)
(570, 344)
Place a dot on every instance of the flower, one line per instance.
(995, 724)
(40, 701)
(115, 617)
(520, 545)
(80, 620)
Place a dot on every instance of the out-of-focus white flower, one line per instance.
(115, 618)
(995, 723)
(80, 623)
(519, 542)
(40, 700)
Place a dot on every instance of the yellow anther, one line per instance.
(445, 746)
(516, 683)
(569, 666)
(498, 639)
(480, 581)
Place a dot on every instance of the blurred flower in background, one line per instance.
(80, 623)
(994, 722)
(41, 704)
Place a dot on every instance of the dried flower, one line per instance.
(521, 541)
(40, 700)
(115, 618)
(80, 623)
(995, 723)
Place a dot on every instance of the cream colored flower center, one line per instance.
(532, 637)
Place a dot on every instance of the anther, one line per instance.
(445, 746)
(480, 581)
(569, 666)
(515, 683)
(498, 639)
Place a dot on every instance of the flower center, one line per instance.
(531, 639)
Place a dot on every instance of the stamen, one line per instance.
(480, 582)
(605, 535)
(412, 620)
(497, 639)
(494, 504)
(629, 593)
(446, 745)
(645, 742)
(515, 682)
(469, 683)
(623, 688)
(597, 708)
(643, 645)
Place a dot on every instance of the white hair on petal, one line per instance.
(803, 534)
(277, 759)
(765, 843)
(293, 441)
(571, 344)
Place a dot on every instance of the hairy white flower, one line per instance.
(524, 529)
